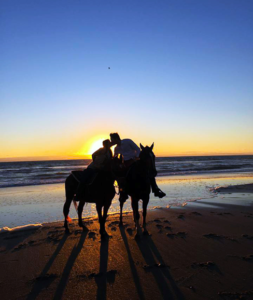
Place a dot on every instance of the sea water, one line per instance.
(33, 192)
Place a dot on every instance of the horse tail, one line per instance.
(70, 187)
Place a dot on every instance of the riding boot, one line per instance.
(155, 189)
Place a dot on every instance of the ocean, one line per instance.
(47, 172)
(33, 192)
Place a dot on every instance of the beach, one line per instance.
(198, 251)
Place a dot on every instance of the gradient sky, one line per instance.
(181, 75)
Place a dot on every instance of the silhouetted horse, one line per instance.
(138, 184)
(101, 192)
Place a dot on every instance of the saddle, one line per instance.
(79, 177)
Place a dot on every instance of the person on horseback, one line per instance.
(100, 159)
(130, 152)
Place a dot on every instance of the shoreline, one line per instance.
(43, 204)
(243, 189)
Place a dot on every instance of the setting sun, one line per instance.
(92, 145)
(95, 146)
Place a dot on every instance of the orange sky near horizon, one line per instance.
(81, 147)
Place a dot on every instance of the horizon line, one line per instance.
(58, 158)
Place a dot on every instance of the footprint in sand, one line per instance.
(92, 235)
(218, 237)
(248, 257)
(196, 213)
(167, 228)
(181, 234)
(181, 217)
(208, 264)
(157, 221)
(113, 223)
(159, 226)
(167, 221)
(246, 236)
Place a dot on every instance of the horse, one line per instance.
(101, 192)
(137, 182)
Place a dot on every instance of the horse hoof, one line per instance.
(83, 226)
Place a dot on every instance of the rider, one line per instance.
(130, 152)
(100, 158)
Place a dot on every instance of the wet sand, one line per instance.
(191, 253)
(240, 188)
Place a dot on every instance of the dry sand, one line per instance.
(190, 254)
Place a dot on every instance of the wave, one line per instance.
(36, 173)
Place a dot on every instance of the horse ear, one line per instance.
(152, 146)
(141, 147)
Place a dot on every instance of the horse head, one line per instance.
(148, 158)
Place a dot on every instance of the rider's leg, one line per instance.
(155, 189)
(87, 174)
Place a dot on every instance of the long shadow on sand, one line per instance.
(101, 279)
(40, 285)
(151, 255)
(132, 265)
(66, 272)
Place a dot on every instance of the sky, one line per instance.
(178, 73)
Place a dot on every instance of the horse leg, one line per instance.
(101, 219)
(144, 205)
(70, 185)
(136, 216)
(106, 208)
(80, 211)
(121, 216)
(66, 212)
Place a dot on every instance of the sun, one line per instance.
(95, 146)
(92, 145)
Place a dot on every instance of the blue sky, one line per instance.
(180, 72)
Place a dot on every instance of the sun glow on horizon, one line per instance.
(92, 145)
(95, 146)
